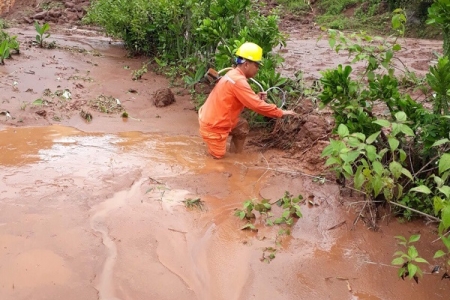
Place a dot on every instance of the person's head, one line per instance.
(249, 56)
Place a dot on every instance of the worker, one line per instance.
(219, 116)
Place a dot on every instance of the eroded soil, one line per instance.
(94, 210)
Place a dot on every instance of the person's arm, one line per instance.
(249, 99)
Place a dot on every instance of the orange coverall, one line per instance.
(220, 113)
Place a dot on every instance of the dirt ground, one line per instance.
(94, 210)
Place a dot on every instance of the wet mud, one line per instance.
(95, 210)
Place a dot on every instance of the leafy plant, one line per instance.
(193, 203)
(42, 33)
(408, 260)
(247, 210)
(137, 74)
(385, 155)
(291, 209)
(4, 51)
(439, 80)
(439, 15)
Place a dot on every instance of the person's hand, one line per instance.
(262, 96)
(289, 113)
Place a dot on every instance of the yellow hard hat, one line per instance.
(250, 51)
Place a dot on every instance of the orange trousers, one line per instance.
(216, 143)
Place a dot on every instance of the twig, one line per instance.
(416, 211)
(175, 230)
(359, 215)
(440, 237)
(337, 225)
(267, 169)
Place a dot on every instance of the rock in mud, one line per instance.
(163, 97)
(40, 16)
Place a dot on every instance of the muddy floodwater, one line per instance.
(97, 210)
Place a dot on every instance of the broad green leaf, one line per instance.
(393, 143)
(372, 137)
(353, 142)
(377, 167)
(359, 135)
(407, 173)
(399, 191)
(371, 152)
(327, 151)
(402, 155)
(343, 130)
(382, 123)
(352, 155)
(400, 238)
(359, 179)
(438, 254)
(446, 241)
(332, 161)
(382, 153)
(377, 184)
(444, 163)
(398, 261)
(440, 142)
(445, 190)
(412, 269)
(414, 238)
(347, 168)
(406, 130)
(420, 260)
(397, 47)
(438, 204)
(445, 216)
(332, 42)
(400, 116)
(396, 169)
(421, 189)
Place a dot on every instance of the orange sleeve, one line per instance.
(249, 99)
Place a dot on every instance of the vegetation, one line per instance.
(42, 33)
(8, 45)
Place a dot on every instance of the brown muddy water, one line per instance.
(95, 210)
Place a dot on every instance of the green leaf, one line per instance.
(438, 254)
(407, 173)
(402, 155)
(377, 184)
(421, 189)
(332, 161)
(400, 116)
(445, 190)
(347, 168)
(382, 123)
(445, 216)
(400, 238)
(412, 252)
(396, 47)
(412, 269)
(396, 169)
(343, 130)
(438, 204)
(377, 167)
(444, 163)
(332, 42)
(372, 137)
(359, 179)
(393, 143)
(446, 241)
(371, 152)
(398, 261)
(414, 238)
(420, 260)
(406, 130)
(440, 142)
